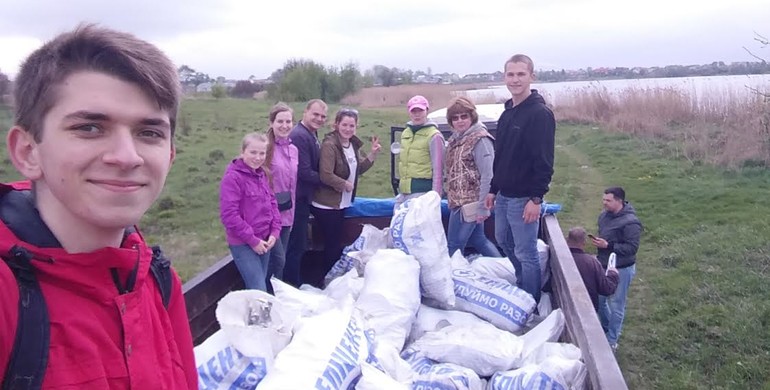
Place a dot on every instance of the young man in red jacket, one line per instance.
(95, 111)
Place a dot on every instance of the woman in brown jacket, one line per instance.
(340, 164)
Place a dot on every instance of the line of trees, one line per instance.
(300, 80)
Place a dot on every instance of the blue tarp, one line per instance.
(378, 207)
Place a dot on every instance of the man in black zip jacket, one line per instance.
(522, 171)
(619, 232)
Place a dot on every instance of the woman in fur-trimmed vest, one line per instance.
(468, 165)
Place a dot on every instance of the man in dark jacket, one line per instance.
(619, 232)
(305, 137)
(522, 171)
(596, 280)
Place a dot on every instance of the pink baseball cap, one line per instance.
(417, 101)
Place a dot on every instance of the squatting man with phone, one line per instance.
(619, 233)
(596, 280)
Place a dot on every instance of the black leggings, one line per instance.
(329, 223)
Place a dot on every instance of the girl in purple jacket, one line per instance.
(282, 158)
(249, 211)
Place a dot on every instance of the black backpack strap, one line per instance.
(161, 271)
(29, 358)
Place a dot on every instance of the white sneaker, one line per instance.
(614, 348)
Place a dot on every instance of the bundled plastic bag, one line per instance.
(326, 352)
(370, 240)
(416, 229)
(430, 374)
(254, 328)
(391, 295)
(483, 348)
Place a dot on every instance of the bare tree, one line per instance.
(763, 43)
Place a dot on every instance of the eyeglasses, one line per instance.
(459, 117)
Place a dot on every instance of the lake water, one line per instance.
(740, 86)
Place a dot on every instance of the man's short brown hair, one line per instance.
(576, 236)
(523, 58)
(92, 48)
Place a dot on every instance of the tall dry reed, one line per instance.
(720, 127)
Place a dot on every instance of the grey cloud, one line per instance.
(150, 19)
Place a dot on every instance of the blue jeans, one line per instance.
(278, 256)
(519, 242)
(292, 271)
(461, 233)
(612, 309)
(252, 266)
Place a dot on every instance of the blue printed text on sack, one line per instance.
(216, 370)
(344, 359)
(490, 301)
(536, 381)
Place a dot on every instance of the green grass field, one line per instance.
(699, 309)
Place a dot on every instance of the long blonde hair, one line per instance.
(258, 137)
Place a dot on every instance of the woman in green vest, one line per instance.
(469, 158)
(421, 160)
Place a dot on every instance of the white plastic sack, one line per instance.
(554, 373)
(391, 295)
(370, 240)
(326, 353)
(494, 300)
(549, 329)
(551, 349)
(392, 364)
(543, 254)
(346, 285)
(483, 348)
(430, 319)
(416, 229)
(306, 303)
(374, 379)
(239, 355)
(545, 306)
(222, 367)
(495, 267)
(430, 374)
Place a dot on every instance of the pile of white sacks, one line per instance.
(397, 313)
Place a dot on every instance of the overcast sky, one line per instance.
(239, 38)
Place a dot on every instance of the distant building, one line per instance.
(204, 87)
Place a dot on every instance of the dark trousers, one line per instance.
(297, 243)
(329, 222)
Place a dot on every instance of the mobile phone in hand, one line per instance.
(591, 236)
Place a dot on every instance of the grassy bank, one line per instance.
(699, 309)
